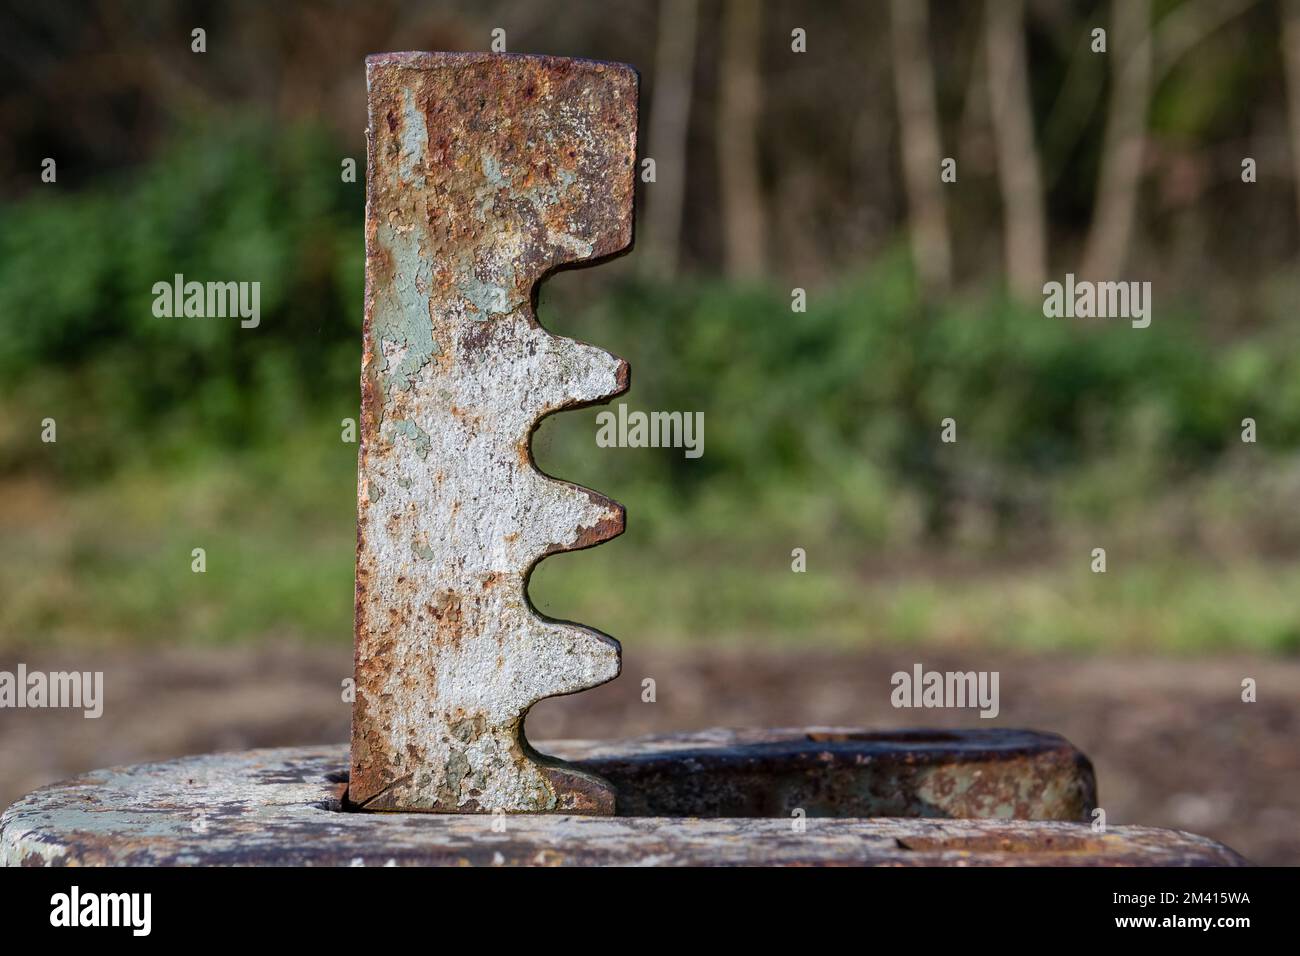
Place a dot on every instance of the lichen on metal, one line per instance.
(486, 172)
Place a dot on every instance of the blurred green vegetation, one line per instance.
(821, 432)
(244, 203)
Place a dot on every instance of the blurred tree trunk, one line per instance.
(1115, 206)
(1024, 220)
(670, 114)
(1291, 58)
(739, 105)
(1181, 30)
(918, 120)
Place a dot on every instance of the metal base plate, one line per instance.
(285, 807)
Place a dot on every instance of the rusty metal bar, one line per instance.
(486, 172)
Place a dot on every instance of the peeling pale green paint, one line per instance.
(487, 299)
(414, 142)
(401, 315)
(549, 195)
(492, 170)
(414, 433)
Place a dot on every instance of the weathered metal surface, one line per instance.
(841, 772)
(282, 807)
(485, 173)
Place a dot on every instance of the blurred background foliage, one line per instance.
(821, 427)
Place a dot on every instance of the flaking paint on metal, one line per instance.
(485, 173)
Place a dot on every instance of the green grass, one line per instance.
(112, 562)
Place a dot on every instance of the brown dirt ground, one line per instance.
(1172, 742)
